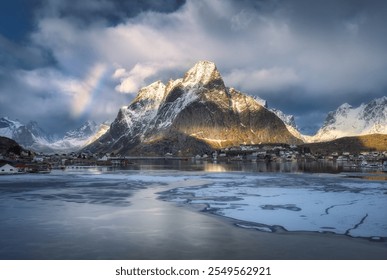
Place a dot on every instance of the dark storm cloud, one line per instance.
(88, 58)
(21, 55)
(17, 18)
(109, 11)
(335, 48)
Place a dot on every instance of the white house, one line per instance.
(8, 169)
(104, 158)
(38, 159)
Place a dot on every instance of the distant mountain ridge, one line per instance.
(369, 118)
(32, 136)
(194, 114)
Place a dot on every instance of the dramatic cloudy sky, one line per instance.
(63, 62)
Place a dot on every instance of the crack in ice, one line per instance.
(357, 225)
(333, 206)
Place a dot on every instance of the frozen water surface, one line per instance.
(128, 213)
(295, 202)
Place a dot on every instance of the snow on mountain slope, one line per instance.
(83, 132)
(25, 135)
(74, 139)
(31, 136)
(194, 114)
(102, 129)
(9, 127)
(202, 73)
(366, 119)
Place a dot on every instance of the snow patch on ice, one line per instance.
(302, 203)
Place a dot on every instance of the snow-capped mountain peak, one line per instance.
(154, 91)
(197, 113)
(202, 73)
(25, 135)
(8, 127)
(32, 136)
(368, 118)
(82, 132)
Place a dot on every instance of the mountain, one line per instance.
(288, 120)
(370, 118)
(31, 136)
(191, 115)
(26, 135)
(8, 127)
(290, 123)
(83, 132)
(74, 140)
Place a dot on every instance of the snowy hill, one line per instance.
(370, 118)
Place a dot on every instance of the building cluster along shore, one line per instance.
(44, 163)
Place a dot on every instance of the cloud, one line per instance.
(132, 81)
(82, 91)
(283, 51)
(109, 12)
(273, 79)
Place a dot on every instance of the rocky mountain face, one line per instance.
(26, 135)
(8, 127)
(191, 115)
(370, 118)
(31, 136)
(76, 139)
(83, 132)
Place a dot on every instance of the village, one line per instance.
(29, 162)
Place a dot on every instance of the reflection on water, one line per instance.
(207, 166)
(332, 167)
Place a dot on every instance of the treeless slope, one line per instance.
(355, 144)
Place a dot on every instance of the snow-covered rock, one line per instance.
(76, 139)
(366, 119)
(32, 136)
(25, 135)
(9, 127)
(194, 114)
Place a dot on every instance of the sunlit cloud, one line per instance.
(83, 91)
(132, 81)
(273, 79)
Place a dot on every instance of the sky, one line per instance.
(65, 62)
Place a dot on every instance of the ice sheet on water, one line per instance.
(296, 202)
(300, 202)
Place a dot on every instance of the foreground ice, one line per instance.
(264, 201)
(295, 202)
